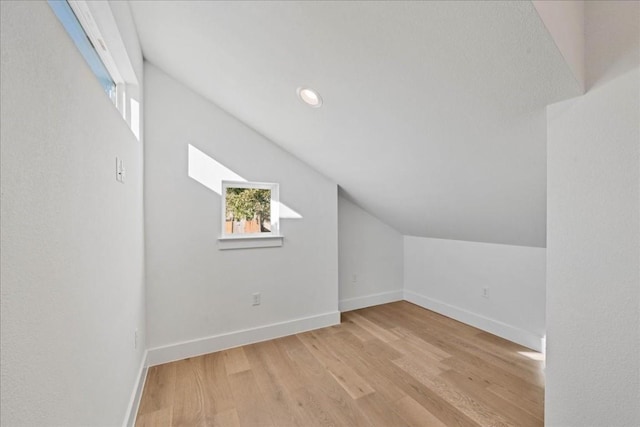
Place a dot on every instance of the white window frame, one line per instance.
(84, 15)
(251, 240)
(102, 30)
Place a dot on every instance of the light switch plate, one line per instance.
(120, 170)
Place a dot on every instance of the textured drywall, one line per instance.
(194, 289)
(565, 21)
(611, 39)
(72, 237)
(448, 276)
(370, 258)
(593, 289)
(433, 117)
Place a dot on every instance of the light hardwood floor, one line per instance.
(390, 365)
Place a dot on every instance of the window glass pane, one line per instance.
(70, 22)
(248, 211)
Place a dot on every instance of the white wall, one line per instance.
(593, 291)
(448, 276)
(72, 237)
(611, 39)
(564, 20)
(370, 258)
(198, 293)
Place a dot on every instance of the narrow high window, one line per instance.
(93, 29)
(76, 31)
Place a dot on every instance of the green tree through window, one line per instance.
(249, 204)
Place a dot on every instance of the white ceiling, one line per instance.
(433, 117)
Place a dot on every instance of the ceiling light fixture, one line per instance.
(310, 97)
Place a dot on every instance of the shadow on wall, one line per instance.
(210, 173)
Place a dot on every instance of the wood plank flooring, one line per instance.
(391, 365)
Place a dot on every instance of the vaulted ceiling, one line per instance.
(434, 112)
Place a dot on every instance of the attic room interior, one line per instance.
(310, 213)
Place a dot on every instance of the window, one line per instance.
(250, 215)
(76, 31)
(93, 29)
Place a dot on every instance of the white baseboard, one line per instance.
(370, 300)
(134, 403)
(178, 351)
(197, 347)
(495, 327)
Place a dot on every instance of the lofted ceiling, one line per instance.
(434, 112)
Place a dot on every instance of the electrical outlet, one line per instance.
(256, 298)
(354, 278)
(485, 292)
(135, 339)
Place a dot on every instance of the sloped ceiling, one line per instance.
(434, 112)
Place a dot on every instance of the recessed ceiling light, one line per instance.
(310, 97)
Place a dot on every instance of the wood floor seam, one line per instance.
(391, 365)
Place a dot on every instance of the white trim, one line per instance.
(249, 241)
(356, 303)
(134, 402)
(103, 15)
(98, 22)
(197, 347)
(495, 327)
(88, 23)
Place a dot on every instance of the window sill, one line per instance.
(249, 241)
